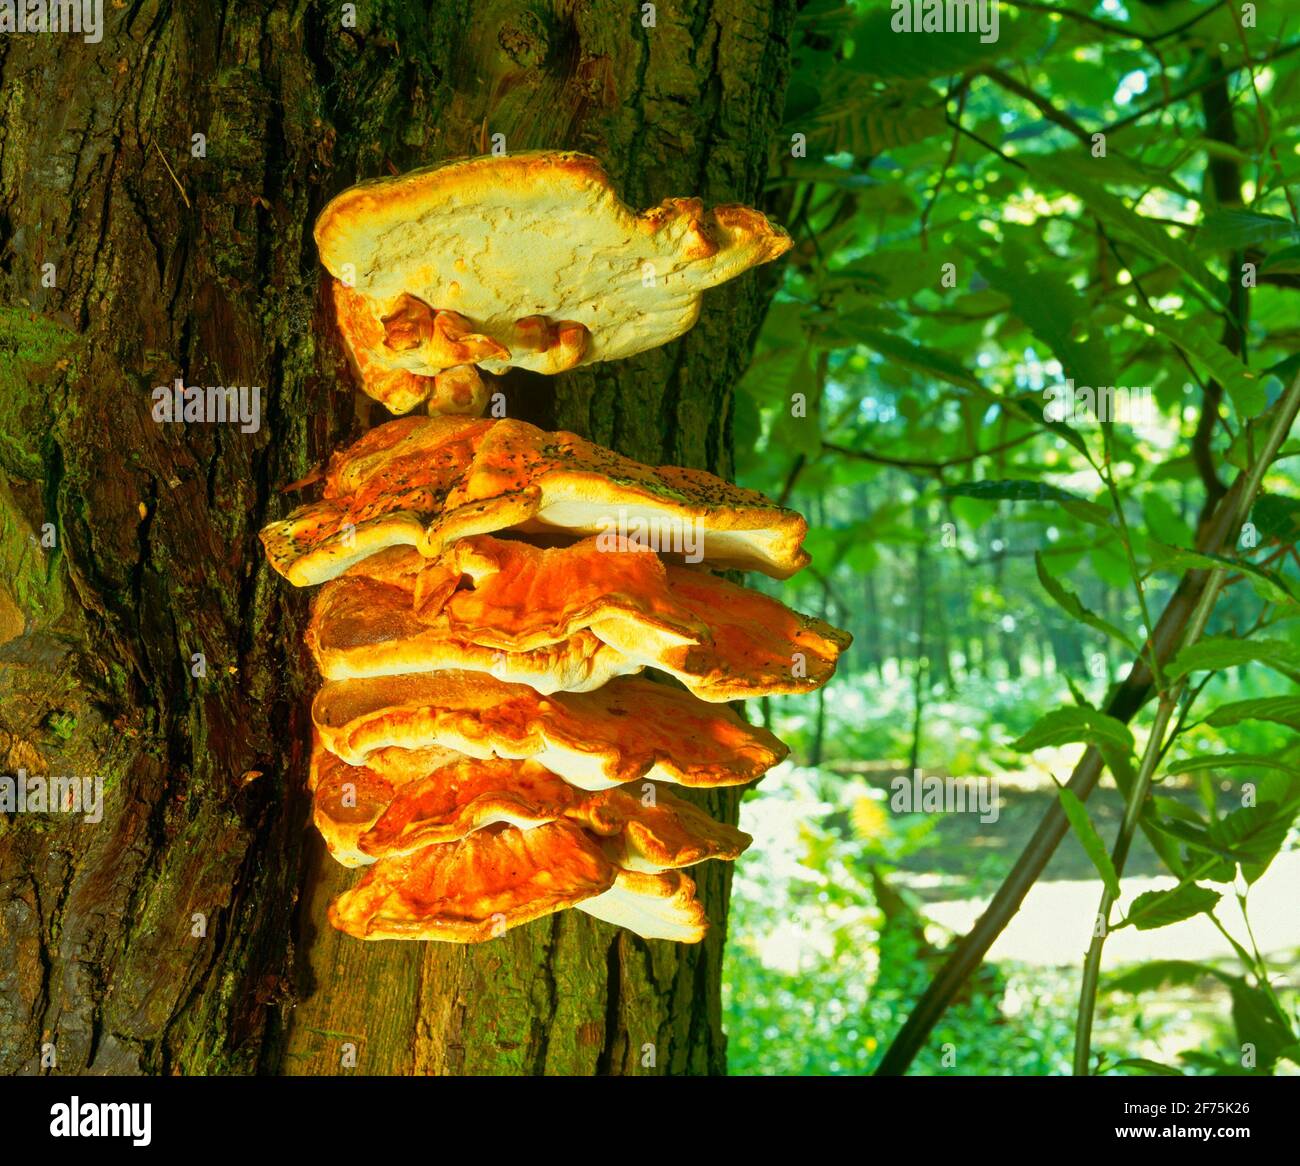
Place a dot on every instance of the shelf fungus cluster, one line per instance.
(512, 682)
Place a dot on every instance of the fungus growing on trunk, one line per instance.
(481, 726)
(428, 481)
(498, 877)
(655, 906)
(646, 829)
(475, 889)
(628, 729)
(528, 261)
(565, 619)
(361, 628)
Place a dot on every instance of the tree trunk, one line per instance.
(870, 627)
(151, 644)
(920, 648)
(1008, 641)
(939, 647)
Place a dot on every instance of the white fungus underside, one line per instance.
(568, 253)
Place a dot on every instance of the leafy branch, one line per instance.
(1164, 640)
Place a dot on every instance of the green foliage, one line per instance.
(964, 248)
(1154, 909)
(1074, 608)
(1066, 725)
(1089, 839)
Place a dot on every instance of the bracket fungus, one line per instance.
(426, 482)
(565, 619)
(495, 879)
(475, 889)
(360, 628)
(484, 748)
(647, 829)
(526, 261)
(628, 729)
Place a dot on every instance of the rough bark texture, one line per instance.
(156, 556)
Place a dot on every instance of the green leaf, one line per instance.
(1232, 761)
(1016, 490)
(886, 55)
(1281, 710)
(1074, 607)
(1254, 835)
(1165, 522)
(1089, 839)
(1212, 1066)
(1216, 652)
(1196, 837)
(1032, 408)
(1244, 388)
(1111, 565)
(1162, 974)
(1068, 725)
(1231, 229)
(1259, 1023)
(1241, 449)
(1049, 307)
(776, 374)
(845, 113)
(1284, 261)
(1153, 909)
(1153, 238)
(1250, 836)
(1268, 585)
(1290, 1053)
(1173, 808)
(1091, 513)
(1149, 1068)
(917, 358)
(1277, 518)
(852, 318)
(890, 121)
(897, 274)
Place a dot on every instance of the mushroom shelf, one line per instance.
(490, 746)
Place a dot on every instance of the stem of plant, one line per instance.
(1119, 855)
(1288, 408)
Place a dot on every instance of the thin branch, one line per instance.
(1109, 26)
(1113, 27)
(1119, 856)
(960, 91)
(1146, 300)
(1040, 103)
(903, 463)
(974, 137)
(1193, 89)
(1223, 176)
(796, 469)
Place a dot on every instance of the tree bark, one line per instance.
(920, 651)
(185, 932)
